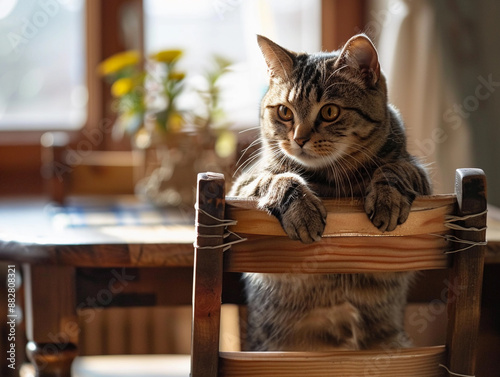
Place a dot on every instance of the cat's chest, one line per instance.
(339, 183)
(341, 188)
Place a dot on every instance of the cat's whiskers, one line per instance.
(323, 72)
(339, 162)
(360, 163)
(330, 165)
(282, 161)
(249, 160)
(334, 175)
(343, 160)
(271, 147)
(252, 144)
(274, 150)
(335, 72)
(335, 84)
(249, 129)
(365, 151)
(246, 163)
(373, 158)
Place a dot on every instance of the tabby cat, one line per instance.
(327, 130)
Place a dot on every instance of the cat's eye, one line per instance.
(285, 113)
(330, 112)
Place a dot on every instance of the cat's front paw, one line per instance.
(386, 206)
(300, 212)
(305, 218)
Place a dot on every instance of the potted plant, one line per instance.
(173, 143)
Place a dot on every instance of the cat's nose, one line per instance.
(301, 140)
(301, 134)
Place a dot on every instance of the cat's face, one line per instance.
(323, 107)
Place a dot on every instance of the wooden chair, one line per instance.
(442, 232)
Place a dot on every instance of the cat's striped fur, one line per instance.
(327, 130)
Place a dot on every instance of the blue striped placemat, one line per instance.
(116, 214)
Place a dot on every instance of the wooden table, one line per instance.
(71, 267)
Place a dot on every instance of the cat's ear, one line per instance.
(278, 59)
(360, 53)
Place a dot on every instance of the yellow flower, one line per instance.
(122, 86)
(167, 56)
(176, 122)
(176, 76)
(117, 62)
(225, 144)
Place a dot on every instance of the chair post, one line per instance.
(207, 279)
(466, 274)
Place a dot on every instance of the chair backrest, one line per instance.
(446, 231)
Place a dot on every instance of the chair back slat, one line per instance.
(350, 243)
(345, 218)
(409, 362)
(337, 255)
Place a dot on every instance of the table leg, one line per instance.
(51, 322)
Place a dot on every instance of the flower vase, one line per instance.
(168, 168)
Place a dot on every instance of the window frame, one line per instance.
(20, 151)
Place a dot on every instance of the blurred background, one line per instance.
(440, 58)
(79, 117)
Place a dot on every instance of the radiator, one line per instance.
(148, 330)
(143, 330)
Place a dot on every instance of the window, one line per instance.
(42, 65)
(228, 28)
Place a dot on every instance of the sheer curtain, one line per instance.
(470, 35)
(412, 59)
